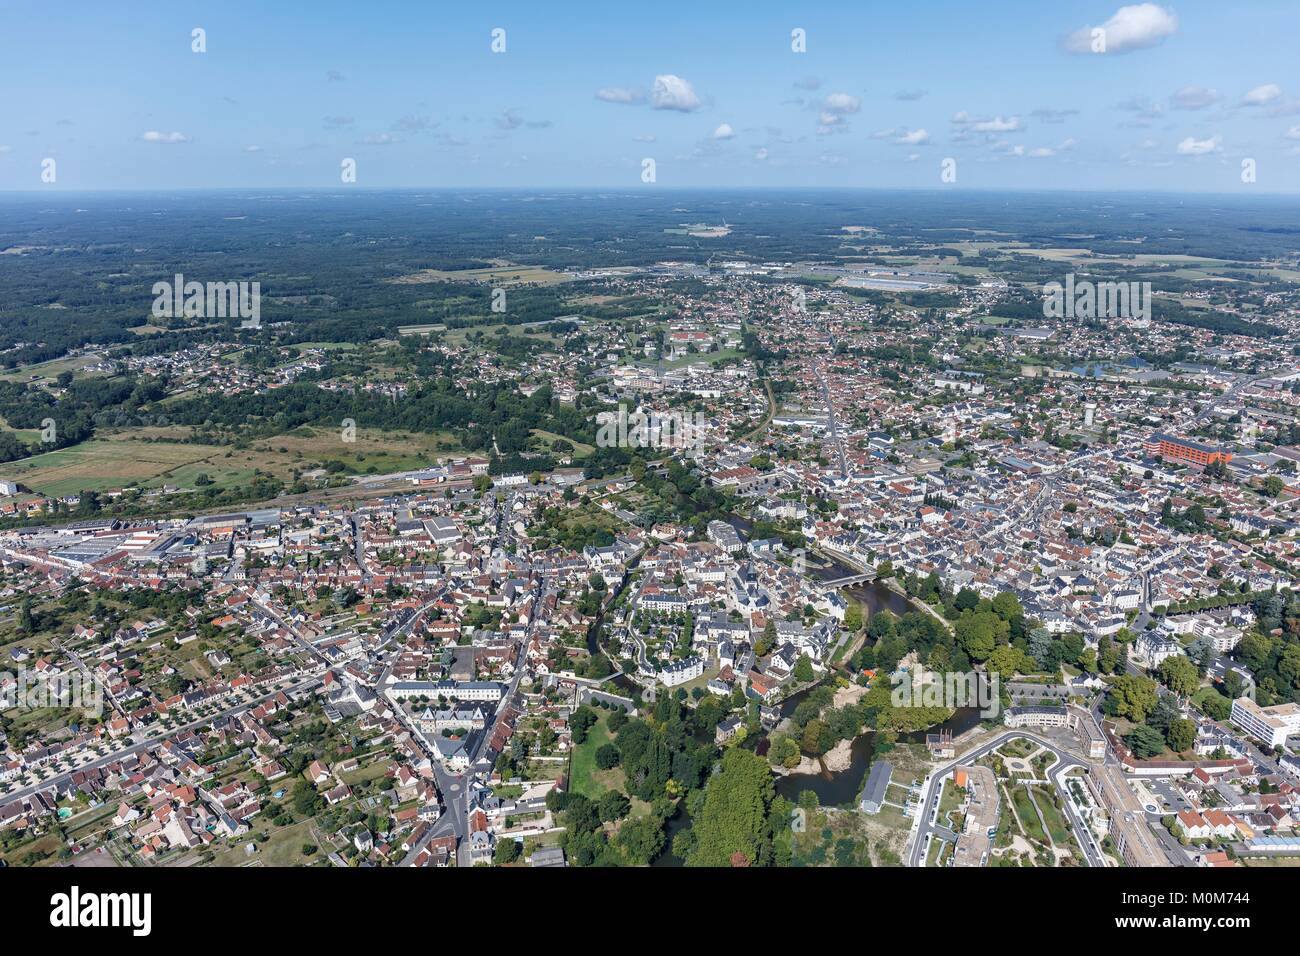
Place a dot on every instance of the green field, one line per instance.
(1056, 822)
(102, 464)
(129, 459)
(1025, 812)
(584, 777)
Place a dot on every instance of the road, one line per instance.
(126, 751)
(924, 826)
(358, 545)
(830, 419)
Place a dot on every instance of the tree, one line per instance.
(732, 816)
(1007, 606)
(641, 840)
(1181, 735)
(607, 756)
(1132, 696)
(1145, 742)
(612, 806)
(803, 669)
(507, 851)
(580, 722)
(1180, 675)
(1215, 705)
(306, 801)
(977, 632)
(1234, 685)
(1007, 660)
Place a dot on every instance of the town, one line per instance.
(534, 655)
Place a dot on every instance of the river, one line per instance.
(841, 788)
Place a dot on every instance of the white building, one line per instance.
(679, 672)
(1272, 725)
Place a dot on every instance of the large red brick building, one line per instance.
(1172, 448)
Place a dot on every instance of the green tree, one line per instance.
(606, 756)
(1179, 674)
(1181, 735)
(803, 669)
(732, 817)
(1132, 696)
(1145, 742)
(507, 851)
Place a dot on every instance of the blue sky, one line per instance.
(711, 91)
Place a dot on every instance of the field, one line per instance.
(103, 463)
(46, 372)
(130, 458)
(584, 777)
(581, 449)
(503, 274)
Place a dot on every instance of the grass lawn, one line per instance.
(283, 847)
(584, 776)
(949, 799)
(936, 848)
(372, 771)
(1056, 822)
(1025, 812)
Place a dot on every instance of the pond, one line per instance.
(841, 788)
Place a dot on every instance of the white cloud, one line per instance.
(1133, 27)
(841, 104)
(761, 153)
(1199, 147)
(252, 149)
(1042, 152)
(913, 137)
(414, 124)
(673, 93)
(1193, 98)
(379, 139)
(155, 136)
(1292, 133)
(1053, 115)
(620, 94)
(997, 125)
(644, 138)
(724, 131)
(1261, 95)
